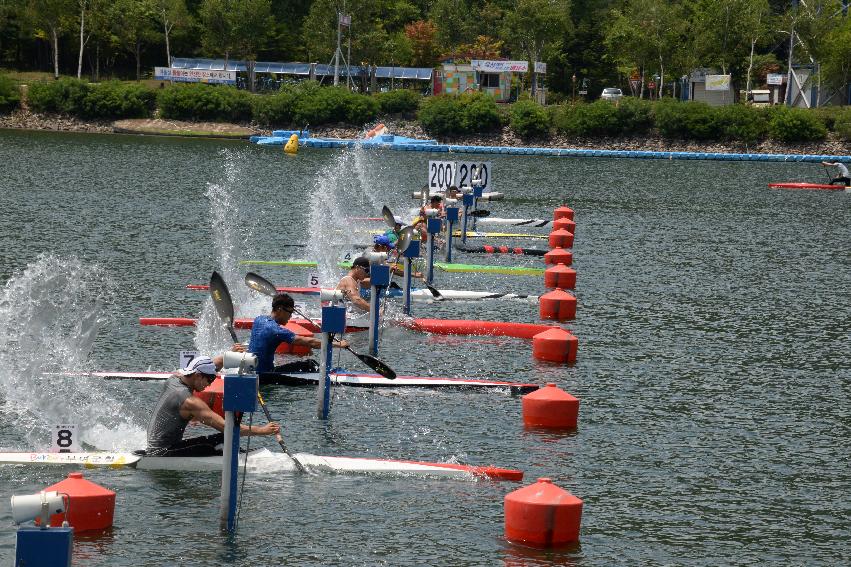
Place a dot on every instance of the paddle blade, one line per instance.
(434, 292)
(405, 237)
(388, 216)
(223, 302)
(479, 213)
(260, 284)
(375, 364)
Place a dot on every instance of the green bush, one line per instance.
(197, 101)
(599, 118)
(114, 99)
(842, 124)
(529, 119)
(10, 94)
(828, 115)
(399, 101)
(688, 120)
(480, 113)
(308, 103)
(442, 115)
(795, 125)
(277, 109)
(64, 96)
(737, 122)
(635, 115)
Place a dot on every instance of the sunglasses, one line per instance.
(208, 377)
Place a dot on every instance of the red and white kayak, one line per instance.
(417, 294)
(811, 186)
(312, 326)
(476, 327)
(263, 461)
(343, 379)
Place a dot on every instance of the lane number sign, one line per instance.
(185, 357)
(64, 439)
(313, 280)
(441, 175)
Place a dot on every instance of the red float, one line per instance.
(542, 515)
(551, 407)
(561, 239)
(563, 212)
(214, 395)
(558, 255)
(555, 345)
(557, 305)
(560, 276)
(566, 224)
(91, 506)
(287, 348)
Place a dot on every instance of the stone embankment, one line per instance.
(28, 120)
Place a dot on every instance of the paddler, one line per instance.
(177, 407)
(382, 243)
(436, 202)
(268, 331)
(842, 170)
(354, 281)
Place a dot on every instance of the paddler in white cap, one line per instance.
(177, 407)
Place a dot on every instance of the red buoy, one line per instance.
(542, 515)
(287, 348)
(560, 276)
(91, 506)
(561, 239)
(558, 255)
(552, 407)
(563, 212)
(557, 305)
(555, 345)
(566, 224)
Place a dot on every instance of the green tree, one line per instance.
(422, 37)
(170, 13)
(52, 18)
(536, 26)
(454, 22)
(836, 56)
(131, 22)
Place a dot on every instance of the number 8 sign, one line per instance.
(64, 439)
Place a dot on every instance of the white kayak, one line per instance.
(486, 196)
(342, 379)
(261, 460)
(426, 295)
(514, 222)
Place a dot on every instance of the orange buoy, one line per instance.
(558, 255)
(566, 224)
(287, 348)
(555, 345)
(550, 406)
(563, 212)
(91, 506)
(560, 276)
(557, 305)
(214, 396)
(542, 515)
(561, 238)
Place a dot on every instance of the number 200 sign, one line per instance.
(444, 174)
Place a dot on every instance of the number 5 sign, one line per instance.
(64, 439)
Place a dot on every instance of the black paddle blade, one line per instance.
(375, 364)
(388, 216)
(479, 213)
(260, 284)
(223, 302)
(435, 293)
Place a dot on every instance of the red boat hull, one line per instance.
(811, 186)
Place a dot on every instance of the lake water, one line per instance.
(713, 370)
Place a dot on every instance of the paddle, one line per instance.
(478, 213)
(388, 216)
(264, 286)
(224, 307)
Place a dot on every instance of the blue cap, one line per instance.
(382, 240)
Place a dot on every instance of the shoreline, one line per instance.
(25, 120)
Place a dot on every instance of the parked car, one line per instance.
(612, 94)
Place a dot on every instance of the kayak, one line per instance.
(486, 196)
(514, 222)
(486, 249)
(471, 234)
(341, 378)
(470, 268)
(312, 326)
(477, 327)
(263, 460)
(813, 186)
(417, 294)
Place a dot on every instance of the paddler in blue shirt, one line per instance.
(268, 331)
(177, 406)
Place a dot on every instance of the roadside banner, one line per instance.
(485, 66)
(194, 75)
(717, 82)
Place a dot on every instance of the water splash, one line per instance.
(232, 229)
(49, 318)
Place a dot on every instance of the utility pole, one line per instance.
(337, 53)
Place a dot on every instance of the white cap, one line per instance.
(202, 364)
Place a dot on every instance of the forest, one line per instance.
(595, 43)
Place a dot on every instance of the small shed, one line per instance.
(713, 89)
(460, 78)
